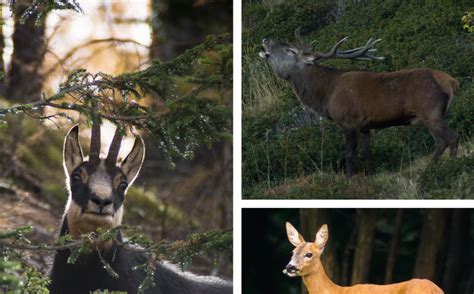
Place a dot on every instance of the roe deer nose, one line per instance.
(101, 203)
(290, 268)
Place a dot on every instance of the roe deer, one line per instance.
(97, 189)
(359, 101)
(306, 263)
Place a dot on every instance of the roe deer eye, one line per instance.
(309, 255)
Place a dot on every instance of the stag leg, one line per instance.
(351, 148)
(452, 138)
(366, 152)
(438, 134)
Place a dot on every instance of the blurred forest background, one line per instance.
(379, 246)
(114, 37)
(288, 152)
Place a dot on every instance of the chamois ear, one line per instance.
(293, 236)
(133, 162)
(72, 151)
(322, 237)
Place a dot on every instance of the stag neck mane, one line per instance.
(313, 85)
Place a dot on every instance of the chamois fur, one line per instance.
(97, 188)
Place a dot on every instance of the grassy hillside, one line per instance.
(290, 152)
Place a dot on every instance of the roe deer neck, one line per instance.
(313, 85)
(317, 282)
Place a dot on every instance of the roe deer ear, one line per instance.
(322, 237)
(72, 152)
(293, 236)
(133, 162)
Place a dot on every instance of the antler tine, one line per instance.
(299, 40)
(333, 52)
(362, 53)
(114, 147)
(94, 150)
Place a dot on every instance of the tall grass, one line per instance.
(263, 91)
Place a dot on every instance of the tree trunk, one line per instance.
(432, 234)
(2, 62)
(457, 251)
(204, 184)
(366, 219)
(311, 221)
(392, 252)
(178, 25)
(347, 258)
(24, 75)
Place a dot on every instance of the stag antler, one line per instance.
(360, 53)
(300, 43)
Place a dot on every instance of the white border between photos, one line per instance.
(239, 204)
(237, 144)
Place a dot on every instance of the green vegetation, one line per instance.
(290, 152)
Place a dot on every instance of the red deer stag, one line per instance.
(306, 263)
(359, 101)
(97, 189)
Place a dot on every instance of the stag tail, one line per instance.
(114, 147)
(94, 150)
(448, 84)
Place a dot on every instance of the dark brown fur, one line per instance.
(359, 101)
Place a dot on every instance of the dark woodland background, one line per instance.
(378, 246)
(194, 197)
(288, 152)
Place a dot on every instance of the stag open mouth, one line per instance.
(264, 53)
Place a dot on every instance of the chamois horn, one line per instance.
(114, 147)
(94, 150)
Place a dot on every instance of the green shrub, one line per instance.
(449, 178)
(278, 147)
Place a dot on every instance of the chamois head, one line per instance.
(306, 255)
(97, 186)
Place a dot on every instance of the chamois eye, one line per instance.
(122, 186)
(76, 177)
(309, 255)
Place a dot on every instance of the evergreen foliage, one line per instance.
(195, 89)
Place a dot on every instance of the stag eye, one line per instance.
(309, 255)
(291, 51)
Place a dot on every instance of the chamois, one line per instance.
(97, 188)
(360, 101)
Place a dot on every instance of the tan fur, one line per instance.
(317, 282)
(84, 176)
(83, 223)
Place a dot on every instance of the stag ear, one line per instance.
(293, 236)
(322, 237)
(72, 152)
(133, 162)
